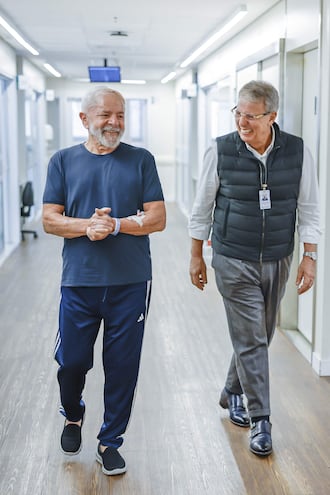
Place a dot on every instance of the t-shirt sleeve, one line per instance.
(54, 188)
(152, 189)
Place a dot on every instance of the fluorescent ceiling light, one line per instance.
(168, 78)
(52, 70)
(231, 22)
(133, 81)
(17, 36)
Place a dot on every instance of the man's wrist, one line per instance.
(311, 254)
(117, 227)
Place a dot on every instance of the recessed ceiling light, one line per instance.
(17, 36)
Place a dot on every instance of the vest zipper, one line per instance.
(264, 185)
(262, 236)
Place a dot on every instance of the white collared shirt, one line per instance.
(308, 214)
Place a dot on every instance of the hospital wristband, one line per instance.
(117, 227)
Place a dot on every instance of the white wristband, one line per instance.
(117, 227)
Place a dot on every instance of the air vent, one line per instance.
(119, 34)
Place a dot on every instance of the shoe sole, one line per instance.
(242, 425)
(113, 472)
(261, 454)
(71, 453)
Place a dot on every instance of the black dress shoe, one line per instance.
(261, 439)
(237, 412)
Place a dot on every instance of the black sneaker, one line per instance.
(71, 438)
(111, 461)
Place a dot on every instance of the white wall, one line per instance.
(297, 22)
(263, 34)
(303, 22)
(7, 60)
(161, 128)
(265, 31)
(34, 79)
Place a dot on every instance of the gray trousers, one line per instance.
(251, 294)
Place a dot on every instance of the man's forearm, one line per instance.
(151, 220)
(63, 226)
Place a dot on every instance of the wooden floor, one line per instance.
(179, 441)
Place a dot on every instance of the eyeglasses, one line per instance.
(249, 116)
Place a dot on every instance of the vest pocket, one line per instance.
(225, 220)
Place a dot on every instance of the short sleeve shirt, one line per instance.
(123, 180)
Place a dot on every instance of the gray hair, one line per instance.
(92, 99)
(255, 91)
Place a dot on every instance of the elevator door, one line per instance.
(309, 134)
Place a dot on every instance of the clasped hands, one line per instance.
(101, 224)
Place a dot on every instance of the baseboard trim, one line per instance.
(321, 366)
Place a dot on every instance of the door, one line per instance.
(309, 134)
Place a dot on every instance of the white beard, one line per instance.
(107, 140)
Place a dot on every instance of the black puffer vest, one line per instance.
(240, 229)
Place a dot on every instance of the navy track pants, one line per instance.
(123, 309)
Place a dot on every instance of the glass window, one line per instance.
(135, 122)
(219, 120)
(79, 133)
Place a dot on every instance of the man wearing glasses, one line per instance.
(255, 181)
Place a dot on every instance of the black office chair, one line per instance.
(27, 201)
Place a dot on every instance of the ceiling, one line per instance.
(158, 34)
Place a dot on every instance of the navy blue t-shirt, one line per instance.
(123, 180)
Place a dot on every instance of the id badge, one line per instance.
(264, 199)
